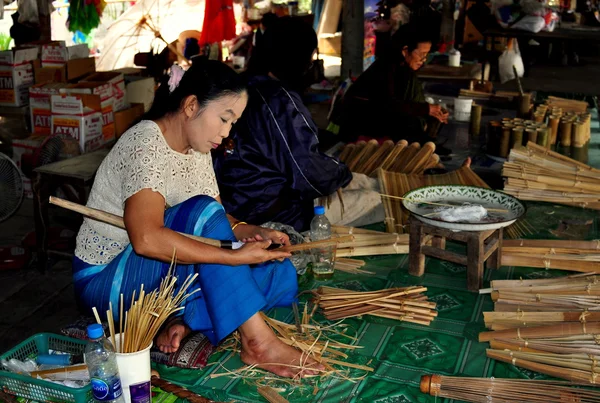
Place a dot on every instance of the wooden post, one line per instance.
(353, 37)
(475, 252)
(416, 257)
(44, 17)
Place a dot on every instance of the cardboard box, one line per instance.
(71, 71)
(57, 54)
(117, 81)
(39, 106)
(140, 90)
(16, 75)
(78, 116)
(125, 118)
(105, 91)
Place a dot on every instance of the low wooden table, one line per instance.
(78, 172)
(482, 246)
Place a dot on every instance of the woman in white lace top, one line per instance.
(159, 177)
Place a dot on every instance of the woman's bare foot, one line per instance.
(169, 338)
(262, 348)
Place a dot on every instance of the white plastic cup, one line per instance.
(134, 368)
(454, 58)
(462, 109)
(239, 62)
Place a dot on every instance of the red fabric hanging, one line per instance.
(219, 21)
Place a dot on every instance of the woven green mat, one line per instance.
(401, 352)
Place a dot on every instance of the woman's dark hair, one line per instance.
(208, 80)
(289, 45)
(409, 36)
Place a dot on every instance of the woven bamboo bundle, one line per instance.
(548, 326)
(368, 157)
(367, 243)
(398, 184)
(407, 304)
(535, 173)
(486, 390)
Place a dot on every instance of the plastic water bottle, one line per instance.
(102, 365)
(320, 229)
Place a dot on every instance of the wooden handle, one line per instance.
(179, 391)
(114, 219)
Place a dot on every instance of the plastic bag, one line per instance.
(299, 260)
(509, 58)
(530, 23)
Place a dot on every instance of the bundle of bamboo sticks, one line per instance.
(397, 185)
(141, 322)
(548, 325)
(369, 243)
(580, 256)
(404, 304)
(485, 390)
(535, 173)
(368, 157)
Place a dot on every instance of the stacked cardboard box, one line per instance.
(78, 116)
(104, 92)
(16, 75)
(39, 105)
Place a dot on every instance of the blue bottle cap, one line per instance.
(319, 210)
(95, 331)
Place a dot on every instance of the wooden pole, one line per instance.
(353, 37)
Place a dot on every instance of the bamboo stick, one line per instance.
(563, 329)
(393, 155)
(401, 163)
(346, 152)
(415, 165)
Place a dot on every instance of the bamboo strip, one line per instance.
(394, 154)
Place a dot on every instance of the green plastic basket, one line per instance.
(37, 389)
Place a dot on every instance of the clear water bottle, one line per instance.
(320, 229)
(102, 365)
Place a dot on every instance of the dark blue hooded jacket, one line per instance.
(275, 169)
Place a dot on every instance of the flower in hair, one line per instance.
(175, 76)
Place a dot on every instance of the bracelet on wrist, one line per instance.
(238, 223)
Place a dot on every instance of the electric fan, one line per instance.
(11, 187)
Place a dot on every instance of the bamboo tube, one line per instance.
(376, 159)
(433, 162)
(494, 132)
(416, 164)
(516, 137)
(505, 141)
(539, 117)
(565, 132)
(538, 332)
(393, 155)
(401, 163)
(553, 123)
(357, 149)
(346, 152)
(524, 105)
(365, 151)
(578, 137)
(542, 137)
(532, 135)
(475, 121)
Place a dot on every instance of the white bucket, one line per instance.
(454, 58)
(462, 109)
(134, 369)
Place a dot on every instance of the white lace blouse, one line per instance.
(141, 159)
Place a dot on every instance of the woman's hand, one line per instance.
(256, 252)
(437, 112)
(253, 233)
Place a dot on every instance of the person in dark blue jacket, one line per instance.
(274, 170)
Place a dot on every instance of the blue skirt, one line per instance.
(228, 295)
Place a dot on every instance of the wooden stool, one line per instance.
(78, 172)
(482, 246)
